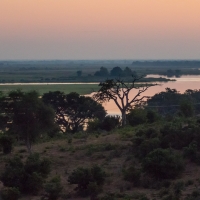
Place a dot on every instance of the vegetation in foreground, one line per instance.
(145, 161)
(47, 154)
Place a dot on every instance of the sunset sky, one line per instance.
(99, 29)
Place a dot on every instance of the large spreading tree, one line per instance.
(73, 110)
(119, 91)
(28, 117)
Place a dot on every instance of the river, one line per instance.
(181, 84)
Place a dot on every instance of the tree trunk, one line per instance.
(123, 117)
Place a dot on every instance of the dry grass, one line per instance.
(108, 151)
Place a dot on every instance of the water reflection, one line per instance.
(181, 84)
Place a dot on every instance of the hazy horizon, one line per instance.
(99, 30)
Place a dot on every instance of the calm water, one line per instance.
(181, 84)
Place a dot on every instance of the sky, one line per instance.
(99, 29)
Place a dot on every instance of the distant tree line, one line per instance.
(115, 72)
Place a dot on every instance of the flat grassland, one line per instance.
(66, 88)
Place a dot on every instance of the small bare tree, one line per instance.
(119, 90)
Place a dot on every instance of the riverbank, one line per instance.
(44, 88)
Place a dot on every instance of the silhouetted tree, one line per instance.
(102, 72)
(119, 91)
(127, 71)
(72, 110)
(116, 71)
(30, 116)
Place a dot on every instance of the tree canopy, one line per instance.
(72, 110)
(29, 116)
(102, 72)
(118, 90)
(116, 71)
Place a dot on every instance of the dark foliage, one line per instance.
(172, 102)
(10, 193)
(87, 180)
(163, 164)
(102, 72)
(72, 110)
(136, 116)
(116, 71)
(175, 135)
(6, 142)
(28, 177)
(54, 188)
(28, 116)
(132, 175)
(109, 123)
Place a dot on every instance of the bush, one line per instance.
(194, 196)
(136, 116)
(35, 164)
(14, 173)
(28, 177)
(86, 179)
(146, 140)
(33, 183)
(110, 122)
(7, 143)
(54, 188)
(132, 175)
(173, 135)
(148, 132)
(163, 164)
(191, 151)
(146, 147)
(93, 125)
(151, 116)
(10, 193)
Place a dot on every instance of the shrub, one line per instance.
(93, 125)
(54, 188)
(108, 197)
(178, 187)
(173, 135)
(147, 146)
(7, 143)
(191, 151)
(35, 164)
(136, 116)
(10, 193)
(110, 122)
(132, 175)
(151, 116)
(86, 179)
(149, 132)
(14, 173)
(28, 177)
(194, 196)
(187, 108)
(163, 164)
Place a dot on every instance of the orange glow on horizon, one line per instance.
(100, 20)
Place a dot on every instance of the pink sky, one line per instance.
(99, 29)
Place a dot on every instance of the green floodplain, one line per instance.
(86, 71)
(66, 88)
